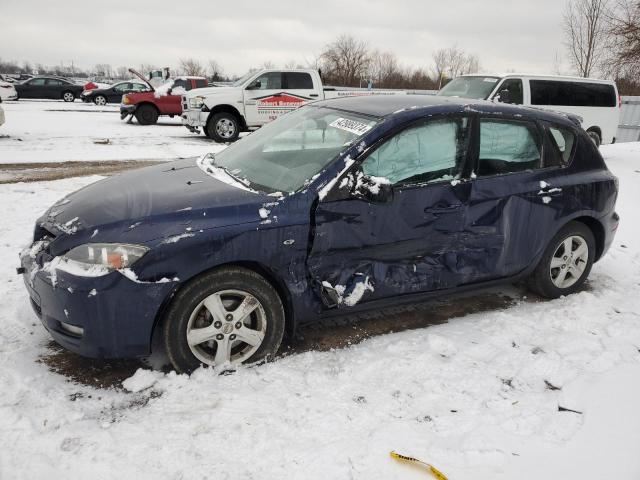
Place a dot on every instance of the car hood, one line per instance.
(151, 203)
(205, 92)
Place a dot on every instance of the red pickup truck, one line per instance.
(164, 100)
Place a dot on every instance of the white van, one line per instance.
(596, 101)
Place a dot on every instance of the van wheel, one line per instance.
(595, 138)
(223, 127)
(146, 115)
(231, 315)
(566, 262)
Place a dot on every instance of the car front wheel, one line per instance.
(146, 115)
(223, 127)
(229, 316)
(566, 262)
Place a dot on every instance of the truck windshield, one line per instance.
(283, 155)
(242, 79)
(477, 88)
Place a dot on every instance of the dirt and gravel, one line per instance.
(40, 172)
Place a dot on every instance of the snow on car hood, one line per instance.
(149, 203)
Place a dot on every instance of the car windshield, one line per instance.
(283, 155)
(477, 88)
(242, 79)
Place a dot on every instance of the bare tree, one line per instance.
(440, 65)
(268, 64)
(624, 31)
(192, 67)
(103, 70)
(122, 72)
(215, 71)
(585, 31)
(345, 60)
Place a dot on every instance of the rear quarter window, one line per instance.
(572, 94)
(561, 146)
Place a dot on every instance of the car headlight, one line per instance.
(109, 256)
(196, 102)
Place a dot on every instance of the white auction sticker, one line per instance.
(357, 128)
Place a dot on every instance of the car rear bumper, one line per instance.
(610, 224)
(93, 316)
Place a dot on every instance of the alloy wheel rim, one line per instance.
(100, 101)
(569, 261)
(226, 327)
(225, 128)
(68, 97)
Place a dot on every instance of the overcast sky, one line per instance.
(506, 35)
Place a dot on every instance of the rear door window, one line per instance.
(572, 94)
(508, 146)
(298, 81)
(561, 142)
(201, 83)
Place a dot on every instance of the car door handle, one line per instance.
(442, 208)
(549, 192)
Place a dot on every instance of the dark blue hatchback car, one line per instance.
(342, 205)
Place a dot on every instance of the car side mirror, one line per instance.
(371, 189)
(504, 96)
(255, 85)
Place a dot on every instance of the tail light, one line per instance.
(619, 100)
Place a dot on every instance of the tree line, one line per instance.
(602, 38)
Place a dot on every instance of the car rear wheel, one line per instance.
(229, 316)
(566, 263)
(68, 96)
(595, 137)
(223, 127)
(100, 100)
(146, 115)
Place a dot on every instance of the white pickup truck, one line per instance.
(257, 98)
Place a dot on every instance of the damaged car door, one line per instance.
(515, 196)
(392, 224)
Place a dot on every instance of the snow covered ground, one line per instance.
(55, 131)
(493, 395)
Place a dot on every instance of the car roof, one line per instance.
(382, 106)
(540, 76)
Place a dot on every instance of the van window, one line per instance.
(514, 86)
(572, 94)
(562, 141)
(298, 81)
(508, 146)
(430, 152)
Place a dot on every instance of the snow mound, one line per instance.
(141, 380)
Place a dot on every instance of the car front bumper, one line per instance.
(126, 110)
(194, 119)
(96, 316)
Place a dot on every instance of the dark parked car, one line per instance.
(50, 88)
(114, 93)
(341, 206)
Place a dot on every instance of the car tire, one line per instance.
(223, 127)
(559, 273)
(146, 115)
(100, 100)
(68, 96)
(595, 138)
(218, 339)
